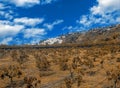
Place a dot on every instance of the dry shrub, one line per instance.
(31, 82)
(68, 82)
(118, 59)
(113, 75)
(19, 56)
(79, 80)
(42, 63)
(63, 63)
(11, 71)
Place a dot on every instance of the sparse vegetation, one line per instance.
(89, 65)
(31, 82)
(10, 72)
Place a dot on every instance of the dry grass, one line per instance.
(90, 67)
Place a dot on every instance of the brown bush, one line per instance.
(114, 76)
(68, 82)
(11, 71)
(31, 82)
(42, 63)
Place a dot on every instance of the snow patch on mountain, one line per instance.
(50, 41)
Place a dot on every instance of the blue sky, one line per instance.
(29, 21)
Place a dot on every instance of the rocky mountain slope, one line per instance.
(109, 34)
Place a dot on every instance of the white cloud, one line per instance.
(6, 40)
(4, 22)
(47, 1)
(72, 29)
(33, 32)
(2, 6)
(6, 15)
(28, 3)
(84, 20)
(57, 22)
(118, 19)
(5, 11)
(11, 26)
(68, 28)
(106, 6)
(29, 21)
(106, 12)
(24, 3)
(9, 30)
(50, 26)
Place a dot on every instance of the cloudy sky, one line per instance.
(29, 21)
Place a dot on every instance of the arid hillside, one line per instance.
(88, 67)
(97, 35)
(91, 61)
(103, 35)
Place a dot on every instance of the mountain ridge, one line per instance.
(109, 34)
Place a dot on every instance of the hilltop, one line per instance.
(109, 34)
